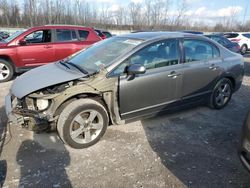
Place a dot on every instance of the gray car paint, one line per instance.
(43, 77)
(147, 90)
(196, 79)
(112, 88)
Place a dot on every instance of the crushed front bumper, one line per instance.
(25, 118)
(12, 118)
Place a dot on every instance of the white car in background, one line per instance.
(242, 38)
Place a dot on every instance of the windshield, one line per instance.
(14, 35)
(101, 54)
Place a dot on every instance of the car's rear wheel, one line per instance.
(221, 94)
(6, 70)
(82, 123)
(243, 49)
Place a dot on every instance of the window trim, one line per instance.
(202, 40)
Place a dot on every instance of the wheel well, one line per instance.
(93, 96)
(244, 45)
(232, 81)
(7, 58)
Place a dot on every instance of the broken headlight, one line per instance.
(42, 104)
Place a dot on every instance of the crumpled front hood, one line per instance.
(42, 77)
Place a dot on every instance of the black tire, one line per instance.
(5, 67)
(243, 49)
(66, 122)
(219, 98)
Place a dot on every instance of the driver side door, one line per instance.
(158, 87)
(38, 49)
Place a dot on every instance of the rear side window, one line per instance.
(246, 35)
(65, 35)
(198, 50)
(83, 34)
(231, 35)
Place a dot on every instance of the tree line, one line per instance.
(149, 14)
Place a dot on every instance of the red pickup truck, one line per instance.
(41, 45)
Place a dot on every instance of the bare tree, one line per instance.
(148, 14)
(178, 20)
(135, 10)
(5, 11)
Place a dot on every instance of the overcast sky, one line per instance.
(207, 10)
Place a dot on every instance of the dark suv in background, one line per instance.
(41, 45)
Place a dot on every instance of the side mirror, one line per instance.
(22, 42)
(136, 69)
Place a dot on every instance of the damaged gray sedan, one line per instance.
(123, 78)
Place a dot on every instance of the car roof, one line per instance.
(61, 26)
(157, 34)
(193, 32)
(216, 35)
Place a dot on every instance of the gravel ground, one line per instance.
(191, 148)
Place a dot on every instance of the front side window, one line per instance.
(198, 50)
(160, 54)
(65, 35)
(41, 36)
(156, 55)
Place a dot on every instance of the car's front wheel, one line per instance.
(82, 123)
(221, 94)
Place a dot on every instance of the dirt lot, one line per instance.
(192, 148)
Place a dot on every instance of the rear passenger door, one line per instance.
(201, 68)
(65, 43)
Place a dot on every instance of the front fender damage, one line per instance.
(99, 87)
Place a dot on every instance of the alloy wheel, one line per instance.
(4, 71)
(86, 126)
(223, 94)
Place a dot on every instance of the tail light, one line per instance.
(235, 40)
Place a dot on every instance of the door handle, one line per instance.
(213, 67)
(173, 75)
(47, 46)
